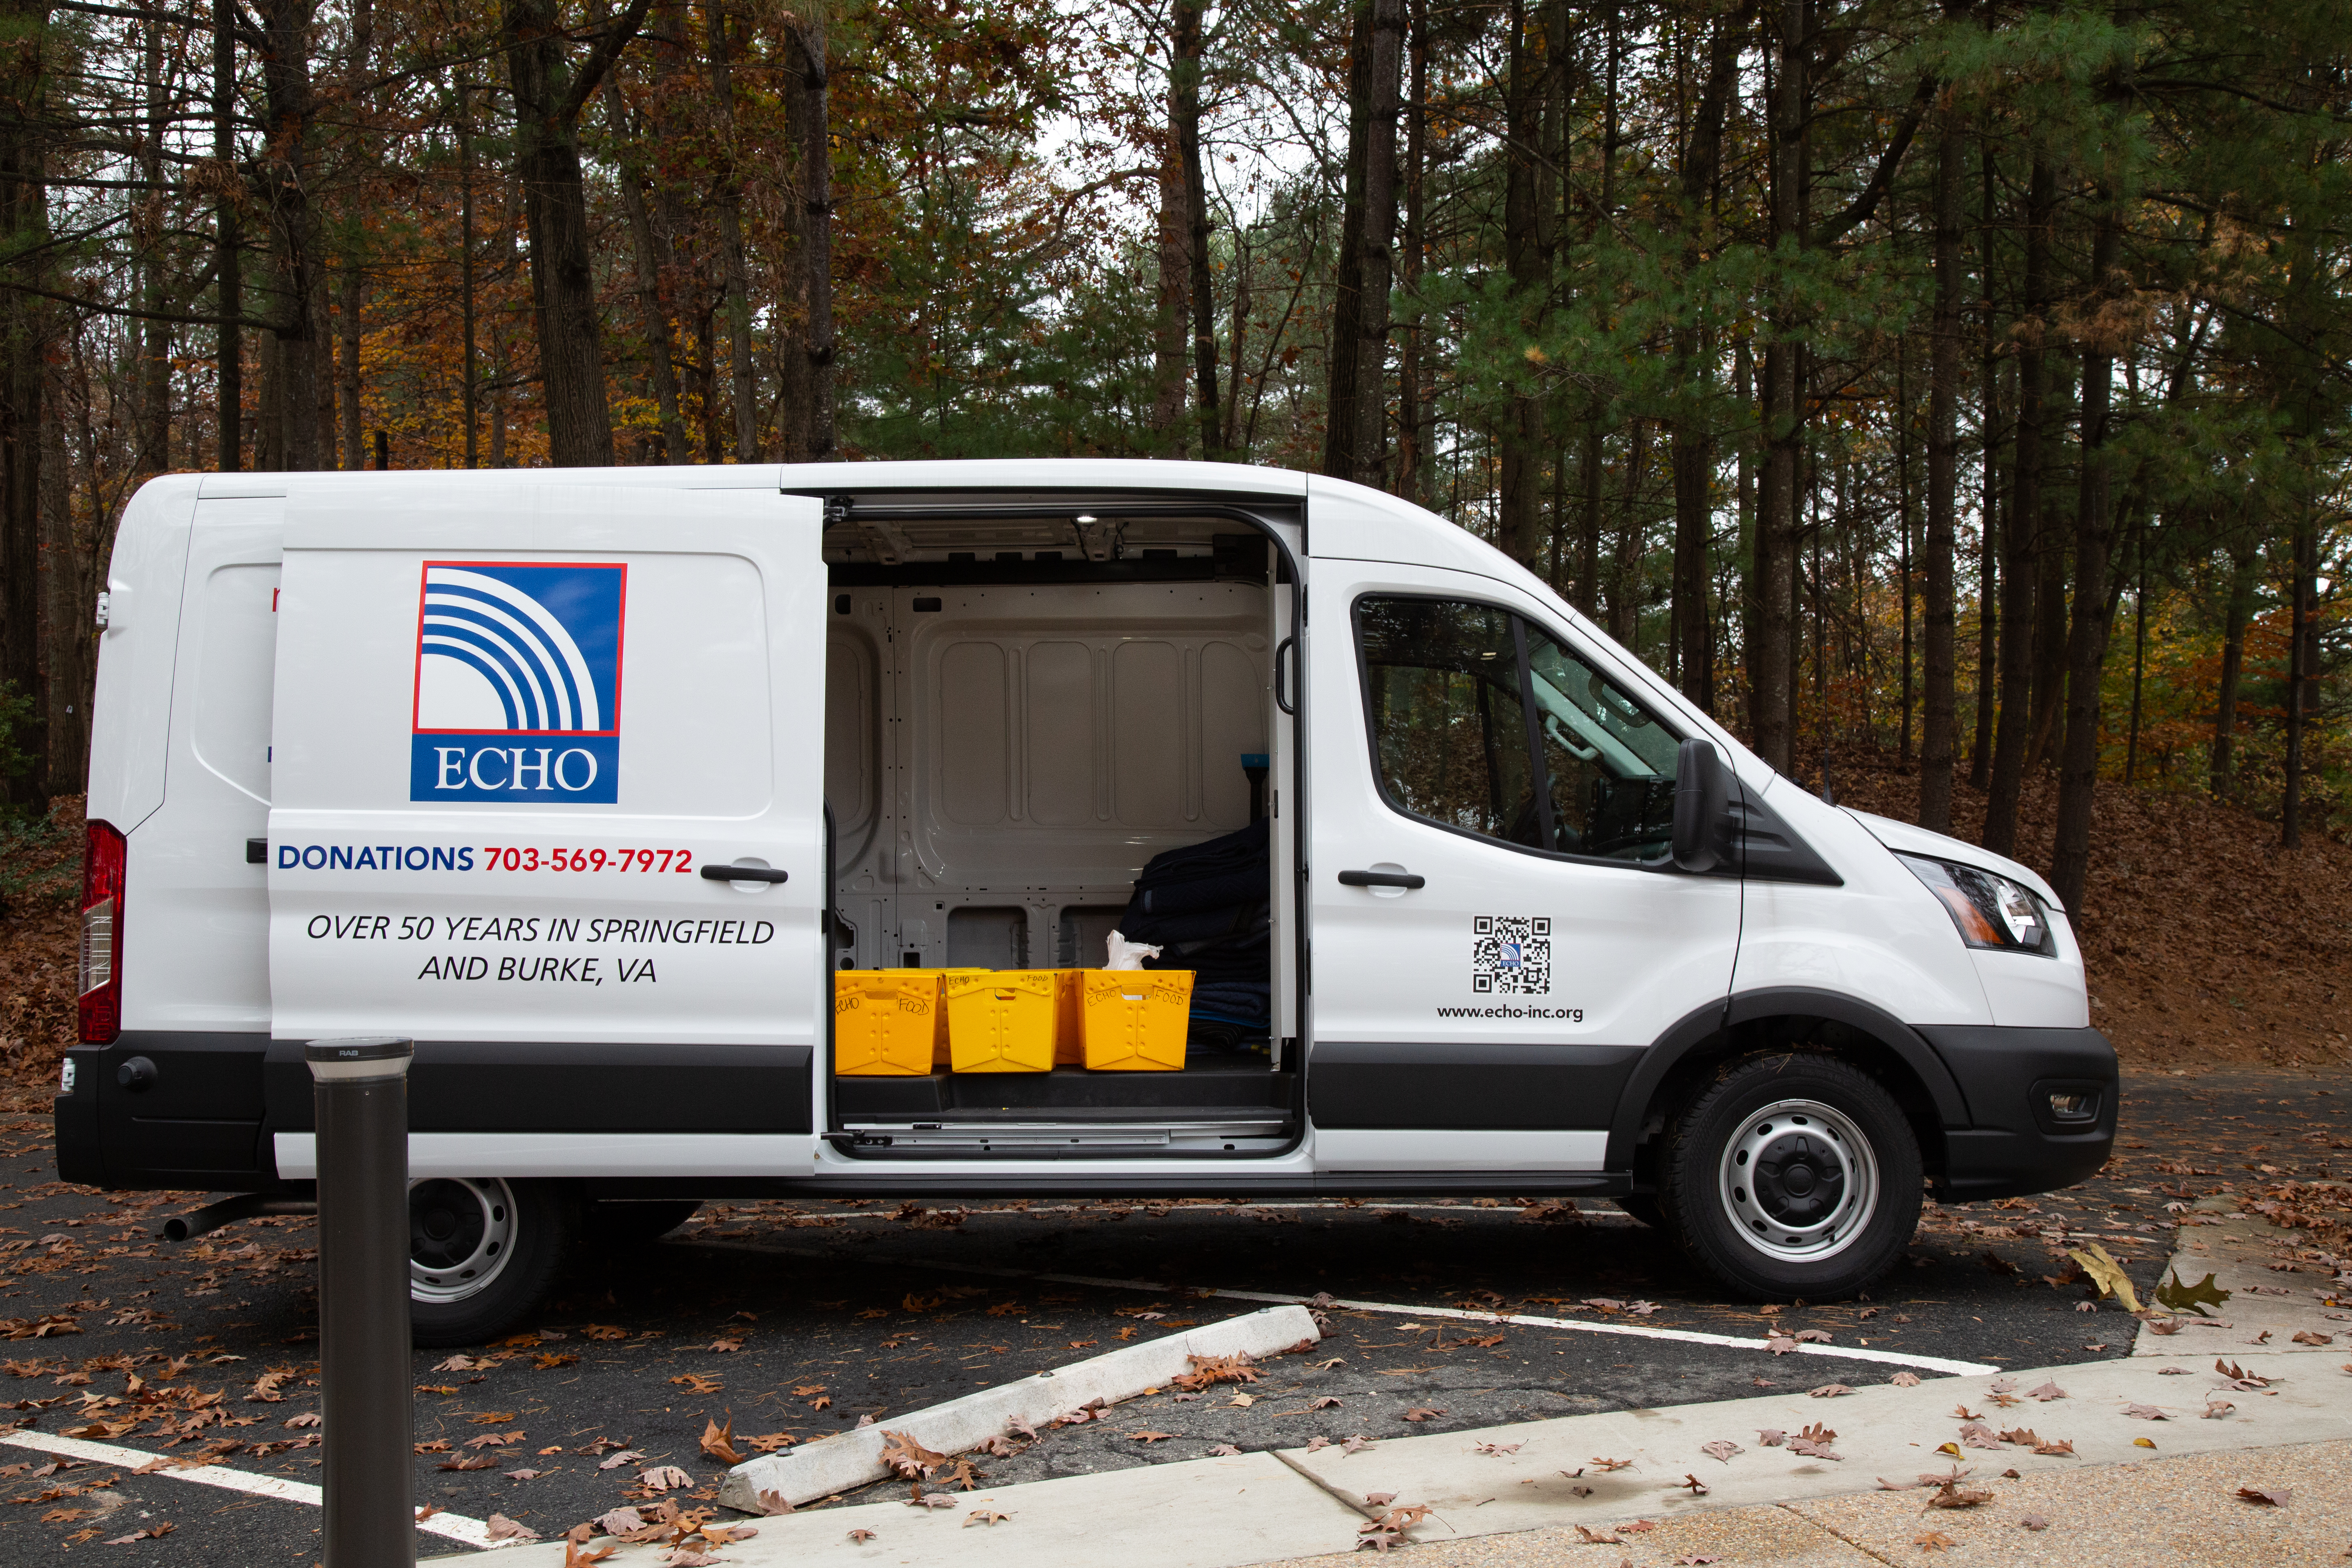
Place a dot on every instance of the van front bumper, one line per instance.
(2041, 1108)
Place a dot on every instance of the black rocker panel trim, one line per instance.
(511, 1085)
(1465, 1087)
(1223, 1184)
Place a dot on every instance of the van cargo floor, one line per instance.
(1068, 1095)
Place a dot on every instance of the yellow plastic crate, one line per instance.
(888, 1023)
(1069, 1013)
(1135, 1020)
(1003, 1020)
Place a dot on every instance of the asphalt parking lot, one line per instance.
(781, 1322)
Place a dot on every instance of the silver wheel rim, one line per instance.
(460, 1234)
(1799, 1181)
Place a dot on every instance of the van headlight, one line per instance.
(1991, 911)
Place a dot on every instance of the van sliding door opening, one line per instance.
(1022, 713)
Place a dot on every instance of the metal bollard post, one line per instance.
(360, 1091)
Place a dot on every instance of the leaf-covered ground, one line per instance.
(781, 1322)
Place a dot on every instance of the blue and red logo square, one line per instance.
(518, 683)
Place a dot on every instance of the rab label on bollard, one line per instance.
(373, 1055)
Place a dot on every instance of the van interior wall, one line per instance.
(1002, 759)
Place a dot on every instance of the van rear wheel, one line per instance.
(482, 1254)
(1792, 1175)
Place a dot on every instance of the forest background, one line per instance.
(1960, 385)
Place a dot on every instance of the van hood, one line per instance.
(1913, 839)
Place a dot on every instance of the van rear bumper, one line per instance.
(2016, 1141)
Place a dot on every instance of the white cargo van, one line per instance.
(588, 780)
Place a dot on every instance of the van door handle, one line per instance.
(1382, 879)
(744, 874)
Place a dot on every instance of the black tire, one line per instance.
(631, 1223)
(1644, 1206)
(1792, 1175)
(483, 1255)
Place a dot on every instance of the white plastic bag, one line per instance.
(1126, 954)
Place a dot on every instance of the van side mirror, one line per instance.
(1702, 808)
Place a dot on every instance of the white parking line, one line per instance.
(1630, 1331)
(453, 1526)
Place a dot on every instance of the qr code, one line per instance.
(1510, 954)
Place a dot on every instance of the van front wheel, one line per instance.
(482, 1254)
(1792, 1175)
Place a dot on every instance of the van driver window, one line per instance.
(1449, 726)
(1609, 763)
(1454, 711)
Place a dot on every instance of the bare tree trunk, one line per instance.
(323, 384)
(1527, 260)
(286, 178)
(1412, 402)
(2086, 647)
(2239, 611)
(653, 313)
(26, 324)
(728, 198)
(154, 401)
(1941, 738)
(1694, 437)
(1174, 310)
(1230, 438)
(2304, 566)
(70, 645)
(549, 94)
(1357, 408)
(812, 122)
(706, 345)
(1989, 524)
(1587, 598)
(2020, 565)
(354, 420)
(1624, 595)
(2052, 539)
(1184, 67)
(1776, 525)
(228, 252)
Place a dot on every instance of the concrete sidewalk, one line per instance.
(1763, 1503)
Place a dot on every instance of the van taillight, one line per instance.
(102, 934)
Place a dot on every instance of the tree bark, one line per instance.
(2020, 566)
(1412, 400)
(286, 178)
(1693, 456)
(810, 437)
(653, 311)
(354, 422)
(1184, 67)
(1777, 523)
(1357, 407)
(154, 401)
(1526, 262)
(27, 324)
(229, 245)
(2235, 616)
(726, 193)
(2304, 566)
(548, 93)
(1941, 733)
(2086, 643)
(1174, 313)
